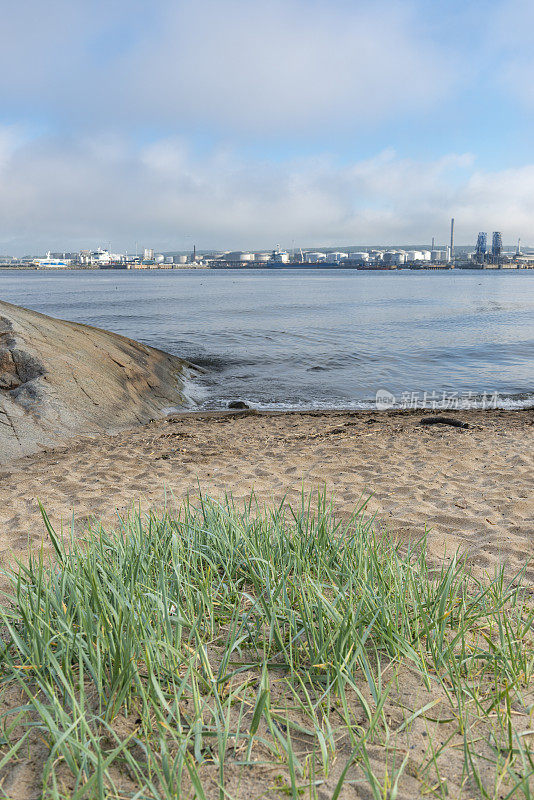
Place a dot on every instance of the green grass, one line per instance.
(237, 652)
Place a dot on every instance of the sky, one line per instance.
(239, 124)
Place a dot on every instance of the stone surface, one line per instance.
(61, 379)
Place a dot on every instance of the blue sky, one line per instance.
(246, 123)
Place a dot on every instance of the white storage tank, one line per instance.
(436, 255)
(180, 259)
(336, 257)
(262, 257)
(395, 257)
(426, 255)
(246, 257)
(362, 257)
(160, 258)
(314, 258)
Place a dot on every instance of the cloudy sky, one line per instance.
(248, 123)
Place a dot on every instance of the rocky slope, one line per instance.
(61, 379)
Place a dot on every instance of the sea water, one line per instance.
(312, 338)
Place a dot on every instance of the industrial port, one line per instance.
(483, 256)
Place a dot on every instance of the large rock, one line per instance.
(60, 379)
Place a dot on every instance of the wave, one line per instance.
(513, 402)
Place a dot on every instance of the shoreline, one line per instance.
(327, 267)
(393, 412)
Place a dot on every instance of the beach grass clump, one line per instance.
(230, 651)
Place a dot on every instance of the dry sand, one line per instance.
(472, 488)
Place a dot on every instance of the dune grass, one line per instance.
(236, 651)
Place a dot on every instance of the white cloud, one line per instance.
(73, 193)
(287, 64)
(268, 66)
(503, 200)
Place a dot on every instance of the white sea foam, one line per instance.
(193, 392)
(504, 402)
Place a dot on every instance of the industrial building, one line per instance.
(484, 258)
(315, 257)
(280, 256)
(489, 253)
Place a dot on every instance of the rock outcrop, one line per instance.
(61, 379)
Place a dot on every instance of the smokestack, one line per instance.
(433, 244)
(452, 239)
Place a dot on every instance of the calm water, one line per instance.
(313, 338)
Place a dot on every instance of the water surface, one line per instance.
(314, 338)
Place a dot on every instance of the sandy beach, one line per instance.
(470, 488)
